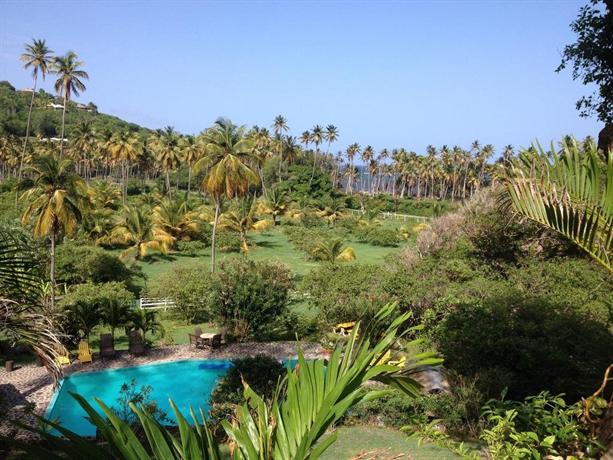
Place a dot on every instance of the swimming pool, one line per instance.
(188, 382)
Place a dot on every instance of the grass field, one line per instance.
(271, 245)
(381, 443)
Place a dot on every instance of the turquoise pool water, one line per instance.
(190, 383)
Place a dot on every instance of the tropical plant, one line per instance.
(69, 82)
(143, 321)
(177, 217)
(136, 228)
(307, 403)
(56, 200)
(570, 192)
(242, 219)
(227, 160)
(114, 313)
(275, 203)
(20, 315)
(38, 57)
(167, 146)
(84, 315)
(333, 251)
(124, 148)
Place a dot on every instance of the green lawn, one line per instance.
(381, 443)
(271, 245)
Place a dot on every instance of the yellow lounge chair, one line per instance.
(85, 353)
(63, 358)
(384, 359)
(399, 363)
(344, 328)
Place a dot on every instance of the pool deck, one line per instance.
(28, 389)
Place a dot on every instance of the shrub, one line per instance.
(191, 248)
(524, 344)
(457, 411)
(538, 427)
(85, 304)
(307, 239)
(228, 241)
(77, 264)
(194, 291)
(378, 236)
(346, 292)
(261, 373)
(251, 295)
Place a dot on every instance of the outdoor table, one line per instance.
(207, 337)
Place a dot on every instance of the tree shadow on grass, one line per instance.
(153, 258)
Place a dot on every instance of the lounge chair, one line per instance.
(136, 345)
(63, 358)
(85, 353)
(344, 328)
(107, 347)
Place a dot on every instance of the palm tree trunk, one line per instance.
(189, 180)
(167, 182)
(213, 237)
(25, 142)
(63, 127)
(52, 268)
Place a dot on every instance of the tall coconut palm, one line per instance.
(352, 150)
(168, 152)
(569, 192)
(317, 137)
(228, 155)
(37, 56)
(192, 151)
(56, 200)
(331, 135)
(69, 82)
(84, 145)
(124, 148)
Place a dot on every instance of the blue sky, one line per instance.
(386, 73)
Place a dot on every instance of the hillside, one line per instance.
(47, 114)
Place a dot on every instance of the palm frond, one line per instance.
(569, 192)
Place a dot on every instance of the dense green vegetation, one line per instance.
(506, 279)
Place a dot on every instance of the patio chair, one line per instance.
(195, 340)
(216, 341)
(63, 358)
(85, 353)
(198, 331)
(107, 347)
(136, 345)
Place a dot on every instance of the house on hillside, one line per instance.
(53, 105)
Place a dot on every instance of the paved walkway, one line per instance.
(28, 389)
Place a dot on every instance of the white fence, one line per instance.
(155, 304)
(394, 215)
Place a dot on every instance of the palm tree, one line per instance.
(570, 192)
(124, 148)
(69, 82)
(167, 147)
(333, 251)
(37, 56)
(275, 203)
(228, 154)
(317, 137)
(192, 151)
(242, 219)
(352, 151)
(84, 145)
(177, 218)
(56, 201)
(136, 228)
(20, 288)
(331, 135)
(115, 313)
